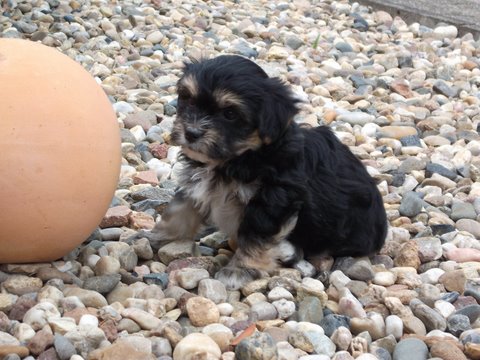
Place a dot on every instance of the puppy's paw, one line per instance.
(235, 277)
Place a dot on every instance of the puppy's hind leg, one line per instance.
(257, 259)
(180, 221)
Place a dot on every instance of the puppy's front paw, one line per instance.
(235, 277)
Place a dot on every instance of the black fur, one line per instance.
(248, 157)
(304, 171)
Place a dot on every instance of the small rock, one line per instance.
(341, 337)
(309, 310)
(177, 250)
(446, 350)
(458, 323)
(64, 348)
(332, 322)
(189, 278)
(259, 346)
(21, 284)
(410, 349)
(213, 289)
(408, 256)
(411, 204)
(202, 311)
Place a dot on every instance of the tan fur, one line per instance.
(253, 142)
(190, 84)
(225, 98)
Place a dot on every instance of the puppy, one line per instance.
(277, 189)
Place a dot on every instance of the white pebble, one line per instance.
(225, 309)
(431, 276)
(394, 326)
(138, 133)
(285, 308)
(339, 279)
(278, 293)
(444, 308)
(38, 316)
(89, 320)
(23, 332)
(384, 278)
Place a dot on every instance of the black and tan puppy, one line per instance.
(278, 189)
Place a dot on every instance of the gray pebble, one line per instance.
(64, 347)
(263, 311)
(471, 311)
(310, 310)
(463, 210)
(256, 347)
(411, 204)
(102, 284)
(361, 270)
(411, 140)
(458, 323)
(441, 87)
(331, 322)
(410, 349)
(432, 168)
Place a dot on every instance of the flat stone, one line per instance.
(446, 350)
(21, 284)
(177, 250)
(102, 284)
(471, 226)
(410, 349)
(431, 318)
(463, 210)
(116, 216)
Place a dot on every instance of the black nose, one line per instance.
(193, 133)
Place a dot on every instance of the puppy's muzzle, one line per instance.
(192, 134)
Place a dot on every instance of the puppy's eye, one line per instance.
(231, 114)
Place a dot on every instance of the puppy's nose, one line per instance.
(193, 133)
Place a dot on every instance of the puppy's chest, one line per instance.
(221, 202)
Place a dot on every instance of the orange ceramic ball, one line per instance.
(60, 153)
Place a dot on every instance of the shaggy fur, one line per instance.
(278, 189)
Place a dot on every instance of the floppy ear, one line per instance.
(278, 109)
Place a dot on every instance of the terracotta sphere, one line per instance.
(60, 153)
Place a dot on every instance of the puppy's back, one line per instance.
(344, 203)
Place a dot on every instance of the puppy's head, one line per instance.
(228, 105)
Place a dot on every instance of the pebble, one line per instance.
(258, 346)
(411, 349)
(189, 278)
(202, 311)
(308, 310)
(64, 348)
(431, 318)
(446, 350)
(458, 323)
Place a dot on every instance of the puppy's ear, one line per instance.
(279, 106)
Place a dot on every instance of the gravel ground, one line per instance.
(404, 98)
